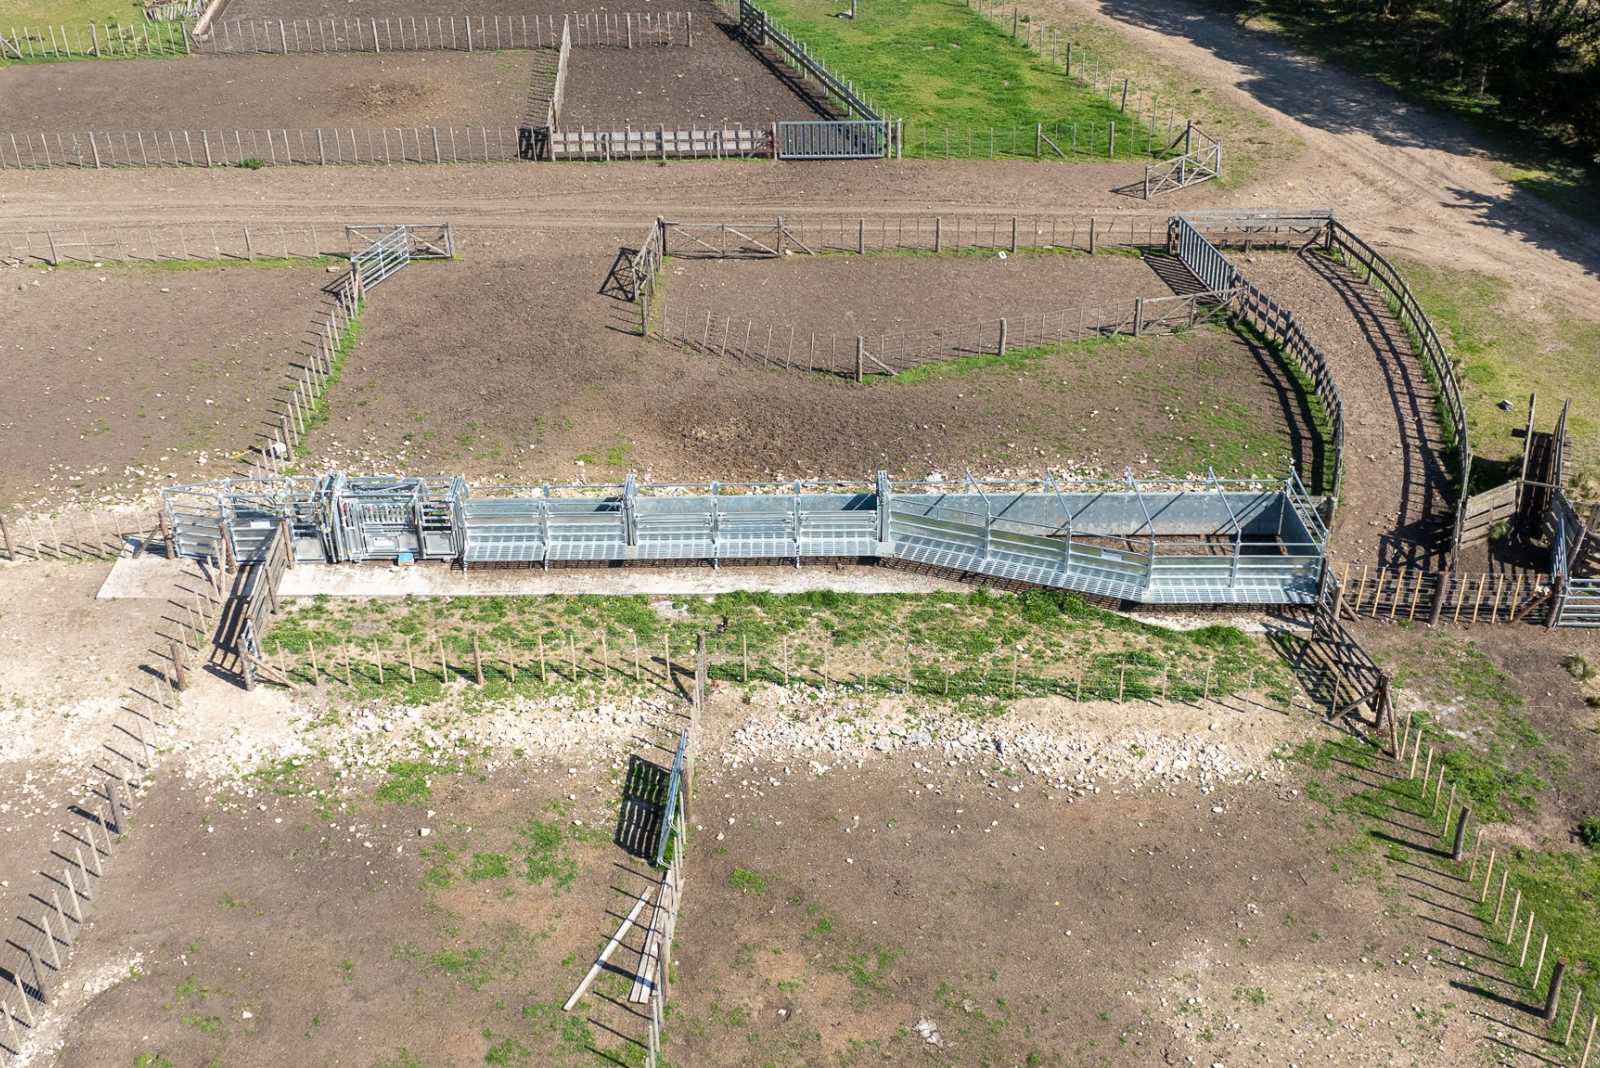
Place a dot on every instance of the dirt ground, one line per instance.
(849, 295)
(293, 937)
(902, 914)
(126, 377)
(717, 81)
(856, 893)
(1396, 500)
(408, 89)
(66, 661)
(557, 388)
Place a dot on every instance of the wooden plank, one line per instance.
(610, 948)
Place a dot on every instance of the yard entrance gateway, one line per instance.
(1201, 541)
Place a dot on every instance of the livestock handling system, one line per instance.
(1194, 541)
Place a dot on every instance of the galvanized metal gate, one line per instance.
(829, 139)
(1201, 256)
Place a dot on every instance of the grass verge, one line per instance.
(979, 646)
(1505, 353)
(963, 86)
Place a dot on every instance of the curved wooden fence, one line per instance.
(1441, 370)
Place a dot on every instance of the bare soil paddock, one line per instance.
(301, 935)
(433, 88)
(906, 915)
(518, 363)
(135, 375)
(885, 915)
(717, 81)
(877, 294)
(66, 661)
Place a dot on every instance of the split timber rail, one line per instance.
(1202, 541)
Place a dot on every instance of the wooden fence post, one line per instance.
(179, 676)
(861, 358)
(1552, 1000)
(1457, 850)
(1000, 349)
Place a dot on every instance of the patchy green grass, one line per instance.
(114, 20)
(964, 646)
(956, 78)
(748, 882)
(1560, 887)
(1506, 352)
(344, 345)
(1495, 756)
(1014, 359)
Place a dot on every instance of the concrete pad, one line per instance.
(153, 576)
(140, 577)
(373, 580)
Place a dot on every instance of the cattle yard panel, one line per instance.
(1184, 541)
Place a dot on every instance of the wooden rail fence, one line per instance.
(1412, 594)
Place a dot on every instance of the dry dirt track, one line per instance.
(1385, 164)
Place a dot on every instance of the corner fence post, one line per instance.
(861, 358)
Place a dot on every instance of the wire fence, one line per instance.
(1054, 140)
(81, 534)
(54, 910)
(251, 149)
(1152, 122)
(911, 233)
(95, 41)
(446, 33)
(564, 657)
(172, 241)
(787, 346)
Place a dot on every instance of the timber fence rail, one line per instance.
(1414, 594)
(1278, 325)
(135, 40)
(643, 268)
(172, 241)
(173, 11)
(760, 30)
(1201, 161)
(659, 142)
(857, 356)
(1440, 368)
(327, 145)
